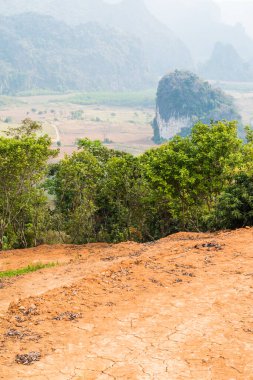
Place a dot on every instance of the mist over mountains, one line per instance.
(39, 52)
(199, 24)
(226, 64)
(92, 44)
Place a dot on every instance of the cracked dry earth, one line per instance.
(180, 308)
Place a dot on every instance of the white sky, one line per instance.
(234, 11)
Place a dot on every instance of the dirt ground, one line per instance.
(179, 308)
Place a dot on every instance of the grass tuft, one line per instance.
(26, 270)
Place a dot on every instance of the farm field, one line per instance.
(179, 308)
(122, 127)
(123, 122)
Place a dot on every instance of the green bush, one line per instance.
(234, 208)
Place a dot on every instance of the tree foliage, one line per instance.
(191, 172)
(199, 182)
(234, 208)
(23, 164)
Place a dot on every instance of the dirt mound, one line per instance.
(179, 308)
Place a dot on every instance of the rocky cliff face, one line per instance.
(171, 127)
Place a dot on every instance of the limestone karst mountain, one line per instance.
(184, 99)
(226, 64)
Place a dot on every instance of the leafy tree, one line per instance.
(122, 198)
(201, 181)
(234, 208)
(99, 193)
(74, 185)
(191, 172)
(98, 150)
(23, 164)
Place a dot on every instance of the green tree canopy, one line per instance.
(23, 165)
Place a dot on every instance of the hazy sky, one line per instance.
(234, 11)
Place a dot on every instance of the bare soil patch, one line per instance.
(124, 128)
(179, 308)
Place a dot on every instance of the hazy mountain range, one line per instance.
(226, 64)
(199, 24)
(42, 53)
(91, 44)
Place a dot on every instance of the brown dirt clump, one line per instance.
(180, 308)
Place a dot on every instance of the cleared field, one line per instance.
(120, 120)
(122, 127)
(145, 98)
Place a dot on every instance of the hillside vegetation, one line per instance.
(113, 49)
(200, 182)
(39, 52)
(93, 45)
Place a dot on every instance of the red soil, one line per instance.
(180, 308)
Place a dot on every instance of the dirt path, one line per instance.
(177, 309)
(57, 133)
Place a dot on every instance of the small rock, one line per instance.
(67, 316)
(188, 274)
(28, 359)
(209, 246)
(18, 319)
(13, 333)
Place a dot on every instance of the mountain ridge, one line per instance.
(144, 51)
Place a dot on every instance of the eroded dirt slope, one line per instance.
(180, 308)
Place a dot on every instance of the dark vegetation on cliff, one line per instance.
(182, 94)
